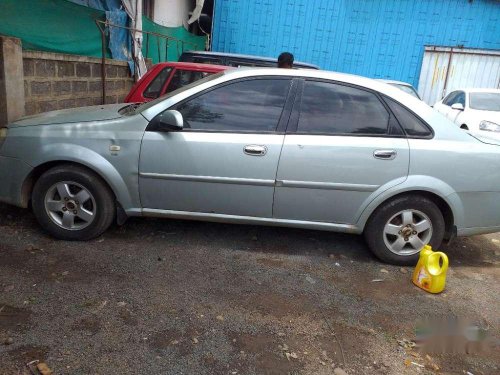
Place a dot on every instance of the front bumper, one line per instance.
(13, 173)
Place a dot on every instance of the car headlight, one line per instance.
(489, 126)
(3, 135)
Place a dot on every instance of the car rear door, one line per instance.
(225, 159)
(342, 146)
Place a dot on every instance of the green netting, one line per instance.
(65, 27)
(159, 49)
(52, 25)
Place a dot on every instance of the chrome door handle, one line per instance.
(255, 150)
(385, 154)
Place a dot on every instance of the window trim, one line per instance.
(294, 119)
(385, 97)
(282, 121)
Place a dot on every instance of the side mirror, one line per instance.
(167, 121)
(457, 106)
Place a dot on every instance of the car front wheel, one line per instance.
(400, 228)
(73, 203)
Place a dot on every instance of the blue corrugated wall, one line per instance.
(373, 38)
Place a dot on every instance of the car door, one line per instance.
(225, 159)
(156, 86)
(341, 147)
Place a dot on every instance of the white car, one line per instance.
(406, 87)
(475, 110)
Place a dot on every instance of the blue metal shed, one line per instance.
(373, 38)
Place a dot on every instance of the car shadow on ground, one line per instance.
(476, 251)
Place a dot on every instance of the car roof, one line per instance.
(496, 91)
(195, 66)
(310, 73)
(241, 56)
(394, 82)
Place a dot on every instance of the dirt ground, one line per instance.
(180, 297)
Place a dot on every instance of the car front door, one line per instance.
(343, 146)
(224, 161)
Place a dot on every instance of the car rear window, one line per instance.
(413, 126)
(485, 101)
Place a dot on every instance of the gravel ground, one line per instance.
(175, 297)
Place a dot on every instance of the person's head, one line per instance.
(285, 60)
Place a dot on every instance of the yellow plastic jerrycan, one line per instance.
(430, 272)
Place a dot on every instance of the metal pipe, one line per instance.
(447, 73)
(103, 62)
(159, 50)
(144, 32)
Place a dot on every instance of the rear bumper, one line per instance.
(13, 173)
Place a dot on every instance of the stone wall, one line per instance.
(57, 81)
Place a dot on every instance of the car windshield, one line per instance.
(147, 105)
(485, 101)
(405, 88)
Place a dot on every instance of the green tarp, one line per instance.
(158, 49)
(64, 27)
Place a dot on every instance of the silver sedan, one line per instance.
(307, 149)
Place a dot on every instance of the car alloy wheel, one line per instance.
(407, 232)
(70, 205)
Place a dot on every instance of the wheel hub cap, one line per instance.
(407, 232)
(70, 205)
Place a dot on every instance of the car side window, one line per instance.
(460, 98)
(412, 125)
(154, 88)
(206, 60)
(247, 106)
(450, 99)
(329, 108)
(182, 78)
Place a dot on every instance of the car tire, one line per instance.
(464, 127)
(72, 203)
(398, 227)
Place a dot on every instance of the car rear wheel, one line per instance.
(73, 203)
(400, 228)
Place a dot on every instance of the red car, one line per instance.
(169, 76)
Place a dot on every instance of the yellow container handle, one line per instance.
(433, 266)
